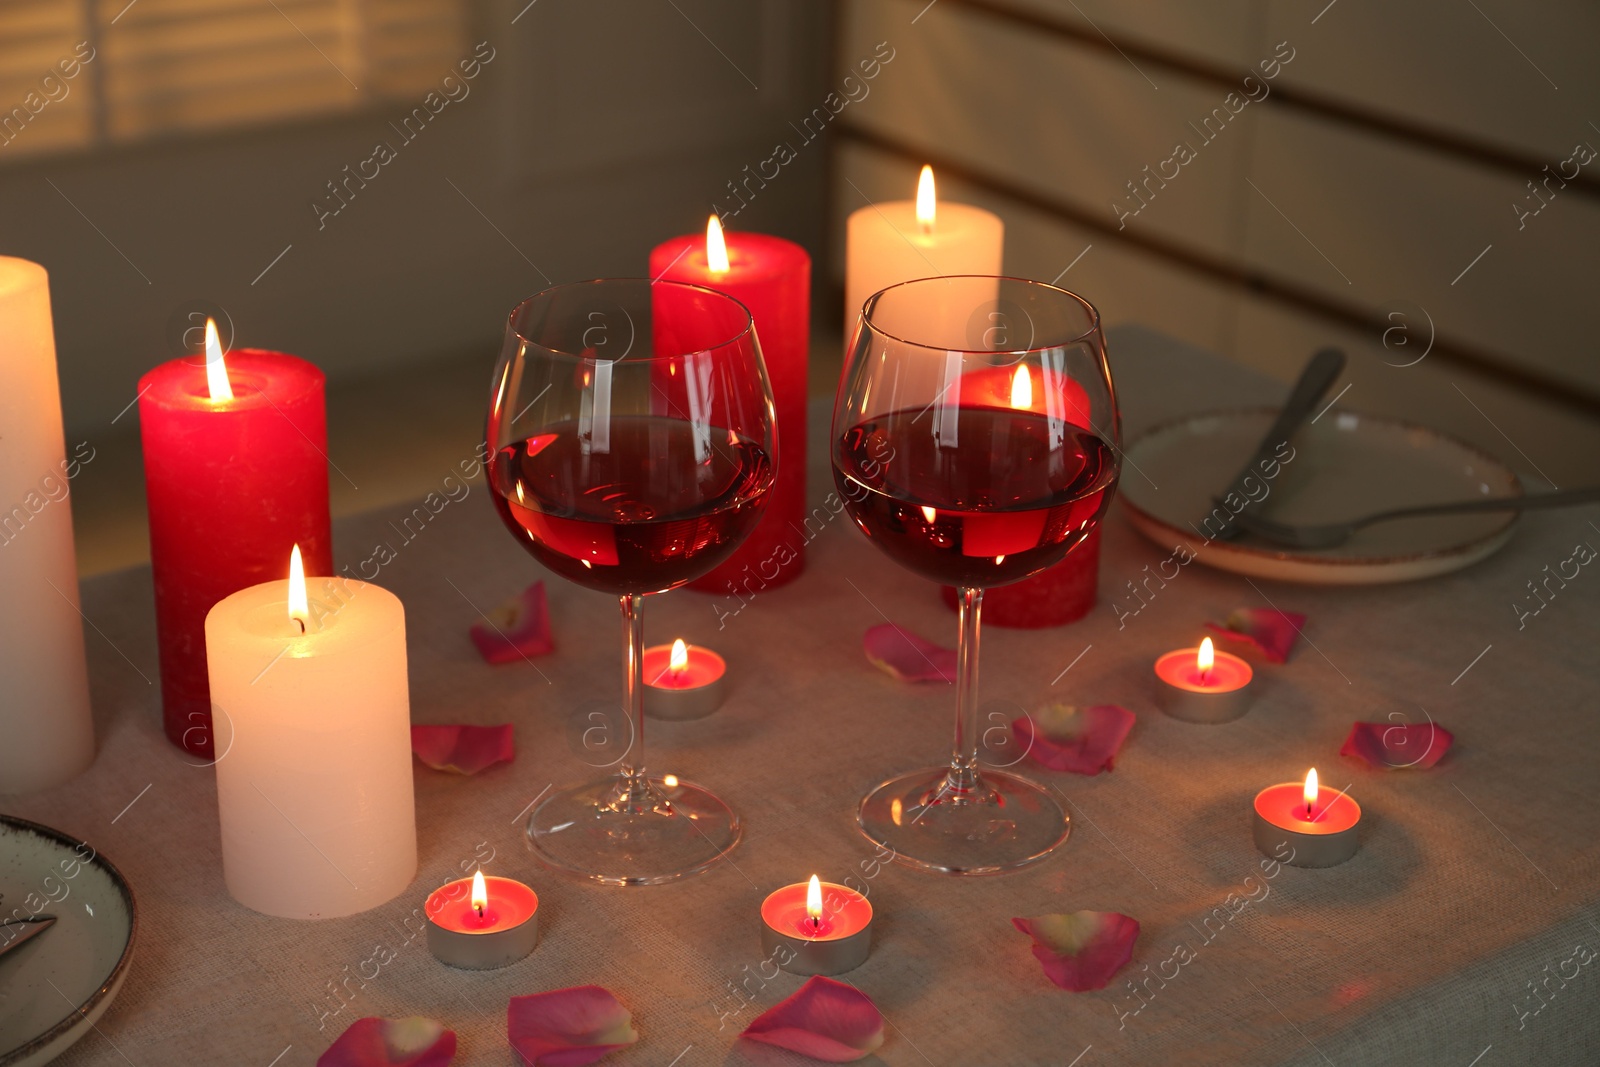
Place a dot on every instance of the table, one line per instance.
(1475, 879)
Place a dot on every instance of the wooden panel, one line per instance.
(1443, 61)
(1402, 224)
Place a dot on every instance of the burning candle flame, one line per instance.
(814, 901)
(299, 610)
(716, 246)
(216, 369)
(1022, 389)
(1311, 791)
(929, 514)
(480, 893)
(678, 661)
(927, 204)
(670, 781)
(1205, 658)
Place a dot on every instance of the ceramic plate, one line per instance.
(1344, 466)
(54, 988)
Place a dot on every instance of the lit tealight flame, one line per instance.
(1204, 659)
(716, 246)
(216, 369)
(678, 661)
(480, 893)
(299, 610)
(670, 781)
(929, 514)
(814, 902)
(1022, 389)
(1311, 791)
(927, 205)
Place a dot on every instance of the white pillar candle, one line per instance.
(895, 241)
(47, 733)
(313, 748)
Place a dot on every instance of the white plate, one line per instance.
(1344, 466)
(54, 988)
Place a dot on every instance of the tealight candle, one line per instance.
(825, 928)
(481, 923)
(1318, 826)
(682, 681)
(1204, 685)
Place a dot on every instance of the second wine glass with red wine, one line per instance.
(631, 451)
(975, 443)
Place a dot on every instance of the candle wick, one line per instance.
(479, 909)
(302, 624)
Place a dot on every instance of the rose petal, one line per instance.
(1386, 746)
(1081, 950)
(517, 629)
(824, 1019)
(908, 657)
(568, 1027)
(1268, 631)
(462, 749)
(410, 1042)
(1079, 740)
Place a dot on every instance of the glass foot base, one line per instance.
(633, 831)
(1004, 822)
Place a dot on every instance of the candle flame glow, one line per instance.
(927, 203)
(670, 781)
(1205, 657)
(216, 369)
(929, 514)
(716, 246)
(679, 659)
(480, 892)
(1022, 389)
(814, 899)
(1311, 790)
(299, 610)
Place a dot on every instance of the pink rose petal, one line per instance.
(568, 1027)
(1079, 740)
(373, 1042)
(824, 1019)
(518, 629)
(462, 749)
(908, 657)
(1268, 631)
(1386, 746)
(1081, 950)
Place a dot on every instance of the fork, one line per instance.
(1328, 535)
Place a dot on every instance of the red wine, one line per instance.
(1009, 501)
(644, 508)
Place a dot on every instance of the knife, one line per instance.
(16, 932)
(1323, 370)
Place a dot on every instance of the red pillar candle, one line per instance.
(1065, 591)
(233, 484)
(771, 277)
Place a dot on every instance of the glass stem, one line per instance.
(963, 776)
(634, 783)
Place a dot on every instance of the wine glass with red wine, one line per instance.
(631, 450)
(974, 442)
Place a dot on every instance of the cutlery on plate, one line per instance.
(17, 932)
(1328, 535)
(1321, 372)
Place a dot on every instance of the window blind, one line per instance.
(77, 74)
